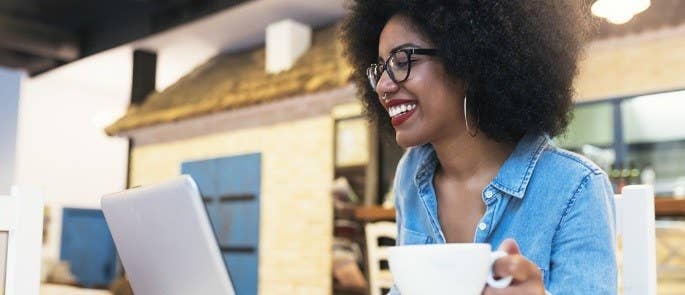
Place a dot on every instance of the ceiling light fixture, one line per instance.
(619, 11)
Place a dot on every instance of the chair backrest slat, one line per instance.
(376, 253)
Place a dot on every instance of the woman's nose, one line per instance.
(385, 85)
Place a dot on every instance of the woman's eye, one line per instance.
(403, 63)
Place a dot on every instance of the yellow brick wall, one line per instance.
(650, 62)
(296, 207)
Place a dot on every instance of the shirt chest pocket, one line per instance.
(411, 237)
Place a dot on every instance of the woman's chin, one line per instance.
(406, 140)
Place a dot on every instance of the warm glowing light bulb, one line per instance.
(619, 18)
(619, 11)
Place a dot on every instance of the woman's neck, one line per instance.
(463, 157)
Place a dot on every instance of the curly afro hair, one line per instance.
(518, 57)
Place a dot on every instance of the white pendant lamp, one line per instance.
(619, 11)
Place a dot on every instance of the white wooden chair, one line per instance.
(670, 238)
(21, 234)
(378, 278)
(635, 235)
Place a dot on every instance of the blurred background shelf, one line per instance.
(374, 213)
(674, 206)
(663, 207)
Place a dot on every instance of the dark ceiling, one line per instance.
(39, 35)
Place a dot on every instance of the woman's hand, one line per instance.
(527, 278)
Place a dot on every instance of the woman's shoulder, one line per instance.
(569, 174)
(557, 160)
(568, 179)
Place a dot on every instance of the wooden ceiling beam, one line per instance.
(38, 39)
(32, 64)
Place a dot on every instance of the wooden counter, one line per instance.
(674, 207)
(374, 213)
(663, 207)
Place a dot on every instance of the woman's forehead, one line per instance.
(399, 32)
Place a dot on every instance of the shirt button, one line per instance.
(488, 194)
(482, 226)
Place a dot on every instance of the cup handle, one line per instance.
(492, 282)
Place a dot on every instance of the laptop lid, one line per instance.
(165, 239)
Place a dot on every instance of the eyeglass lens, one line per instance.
(397, 67)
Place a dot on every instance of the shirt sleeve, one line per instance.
(583, 258)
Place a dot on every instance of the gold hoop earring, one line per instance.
(466, 120)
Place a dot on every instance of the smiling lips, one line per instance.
(400, 110)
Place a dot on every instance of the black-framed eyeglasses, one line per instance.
(398, 65)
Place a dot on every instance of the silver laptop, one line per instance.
(165, 240)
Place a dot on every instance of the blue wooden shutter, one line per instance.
(88, 247)
(230, 188)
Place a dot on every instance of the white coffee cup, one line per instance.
(444, 268)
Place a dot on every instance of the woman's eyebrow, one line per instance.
(405, 45)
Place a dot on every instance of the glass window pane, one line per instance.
(352, 142)
(591, 133)
(592, 124)
(654, 129)
(654, 118)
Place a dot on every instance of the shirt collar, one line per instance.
(427, 160)
(513, 176)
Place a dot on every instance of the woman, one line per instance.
(474, 89)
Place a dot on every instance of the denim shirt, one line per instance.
(557, 205)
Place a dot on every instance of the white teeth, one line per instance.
(400, 109)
